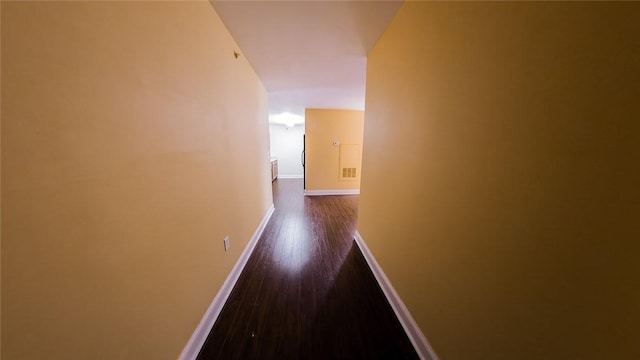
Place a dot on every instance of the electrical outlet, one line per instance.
(227, 243)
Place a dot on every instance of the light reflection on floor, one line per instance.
(293, 248)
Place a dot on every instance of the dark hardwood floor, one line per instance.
(307, 291)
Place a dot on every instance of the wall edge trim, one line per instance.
(199, 336)
(417, 338)
(331, 192)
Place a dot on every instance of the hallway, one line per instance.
(306, 291)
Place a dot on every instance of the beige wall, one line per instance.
(133, 142)
(323, 165)
(510, 222)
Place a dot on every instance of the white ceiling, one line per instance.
(308, 54)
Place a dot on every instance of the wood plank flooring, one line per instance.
(306, 291)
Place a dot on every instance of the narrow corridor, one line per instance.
(307, 291)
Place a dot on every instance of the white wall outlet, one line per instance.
(227, 243)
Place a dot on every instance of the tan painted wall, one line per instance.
(322, 127)
(133, 142)
(510, 222)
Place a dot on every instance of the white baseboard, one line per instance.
(414, 333)
(331, 192)
(199, 336)
(290, 176)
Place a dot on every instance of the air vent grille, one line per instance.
(349, 166)
(348, 172)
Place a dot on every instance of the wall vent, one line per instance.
(348, 168)
(348, 172)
